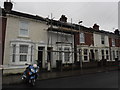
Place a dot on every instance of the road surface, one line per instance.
(96, 80)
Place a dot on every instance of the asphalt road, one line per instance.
(96, 80)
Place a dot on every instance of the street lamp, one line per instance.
(80, 50)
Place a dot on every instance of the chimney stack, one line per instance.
(63, 18)
(8, 6)
(96, 27)
(117, 32)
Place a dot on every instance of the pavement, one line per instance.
(16, 79)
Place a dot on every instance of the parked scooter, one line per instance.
(30, 74)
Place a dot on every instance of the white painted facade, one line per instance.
(55, 39)
(31, 36)
(94, 52)
(37, 36)
(102, 46)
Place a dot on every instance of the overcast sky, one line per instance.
(104, 13)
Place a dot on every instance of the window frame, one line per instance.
(113, 42)
(17, 57)
(68, 53)
(23, 53)
(82, 37)
(85, 55)
(13, 52)
(62, 49)
(26, 28)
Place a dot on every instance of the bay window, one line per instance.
(65, 54)
(21, 53)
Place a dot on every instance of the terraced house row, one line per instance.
(30, 38)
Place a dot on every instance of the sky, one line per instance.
(102, 12)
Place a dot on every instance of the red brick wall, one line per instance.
(2, 36)
(110, 42)
(88, 39)
(76, 39)
(117, 42)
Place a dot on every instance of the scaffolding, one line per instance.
(61, 32)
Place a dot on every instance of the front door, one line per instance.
(40, 56)
(49, 57)
(92, 55)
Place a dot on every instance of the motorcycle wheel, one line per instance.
(33, 82)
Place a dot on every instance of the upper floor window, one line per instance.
(23, 28)
(102, 39)
(82, 38)
(113, 42)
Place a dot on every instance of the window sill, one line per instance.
(23, 37)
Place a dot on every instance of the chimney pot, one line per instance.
(63, 18)
(117, 32)
(96, 27)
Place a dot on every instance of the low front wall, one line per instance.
(111, 63)
(89, 65)
(98, 64)
(13, 71)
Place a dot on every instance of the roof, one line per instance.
(24, 15)
(57, 22)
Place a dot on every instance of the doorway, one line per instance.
(49, 53)
(92, 57)
(40, 56)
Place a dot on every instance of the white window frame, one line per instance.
(26, 28)
(23, 53)
(13, 52)
(82, 37)
(85, 54)
(63, 54)
(113, 42)
(66, 52)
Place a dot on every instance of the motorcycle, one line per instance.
(30, 74)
